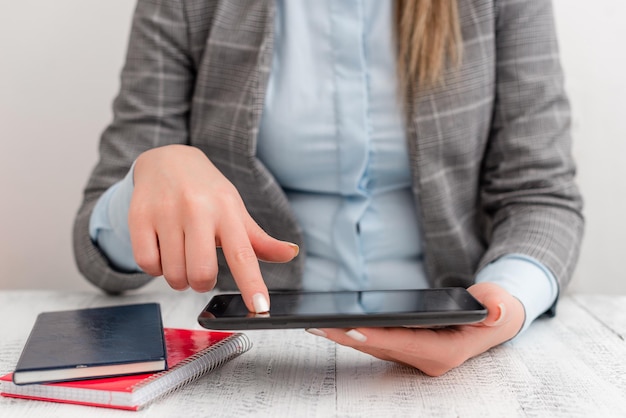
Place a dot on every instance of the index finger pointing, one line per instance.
(244, 265)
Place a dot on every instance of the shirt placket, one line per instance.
(352, 136)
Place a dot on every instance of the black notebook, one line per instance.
(91, 343)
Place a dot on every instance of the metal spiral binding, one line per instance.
(203, 362)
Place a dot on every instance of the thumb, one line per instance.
(493, 298)
(267, 248)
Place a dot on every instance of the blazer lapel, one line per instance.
(226, 113)
(231, 82)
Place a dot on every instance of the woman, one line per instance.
(352, 145)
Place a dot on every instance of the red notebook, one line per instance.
(190, 355)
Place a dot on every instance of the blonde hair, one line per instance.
(429, 40)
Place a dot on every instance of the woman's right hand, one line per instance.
(182, 208)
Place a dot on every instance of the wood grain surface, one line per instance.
(573, 365)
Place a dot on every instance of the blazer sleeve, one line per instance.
(528, 187)
(151, 110)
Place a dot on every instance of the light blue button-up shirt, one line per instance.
(333, 136)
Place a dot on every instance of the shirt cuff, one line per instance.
(108, 224)
(526, 279)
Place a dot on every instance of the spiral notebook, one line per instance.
(190, 354)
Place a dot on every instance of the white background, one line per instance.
(59, 71)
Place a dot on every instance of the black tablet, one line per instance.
(347, 309)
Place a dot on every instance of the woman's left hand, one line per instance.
(436, 351)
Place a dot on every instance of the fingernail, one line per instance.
(295, 247)
(260, 303)
(356, 335)
(316, 331)
(501, 316)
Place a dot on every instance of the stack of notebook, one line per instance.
(116, 357)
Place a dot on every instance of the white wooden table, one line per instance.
(571, 366)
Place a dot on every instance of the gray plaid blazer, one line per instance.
(490, 150)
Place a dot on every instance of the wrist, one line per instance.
(527, 280)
